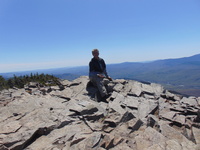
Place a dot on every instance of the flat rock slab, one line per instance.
(9, 127)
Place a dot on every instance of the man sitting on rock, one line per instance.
(98, 73)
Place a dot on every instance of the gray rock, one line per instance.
(128, 86)
(157, 88)
(116, 104)
(180, 119)
(189, 101)
(92, 142)
(198, 101)
(111, 141)
(147, 107)
(9, 127)
(196, 134)
(126, 117)
(5, 97)
(136, 89)
(65, 82)
(131, 102)
(55, 88)
(172, 144)
(137, 124)
(171, 96)
(33, 85)
(138, 116)
(110, 86)
(65, 94)
(168, 115)
(148, 96)
(172, 133)
(122, 81)
(152, 121)
(147, 89)
(149, 138)
(118, 87)
(122, 146)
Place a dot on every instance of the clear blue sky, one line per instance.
(39, 34)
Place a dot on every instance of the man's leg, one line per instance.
(100, 85)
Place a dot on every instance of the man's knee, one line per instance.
(90, 84)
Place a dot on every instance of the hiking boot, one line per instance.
(105, 98)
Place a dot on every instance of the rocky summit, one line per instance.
(136, 116)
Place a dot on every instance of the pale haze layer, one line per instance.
(43, 34)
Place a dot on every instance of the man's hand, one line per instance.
(109, 78)
(100, 76)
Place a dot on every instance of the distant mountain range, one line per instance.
(181, 75)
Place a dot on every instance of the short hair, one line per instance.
(95, 50)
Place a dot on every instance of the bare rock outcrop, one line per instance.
(67, 117)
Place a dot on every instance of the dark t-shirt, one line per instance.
(97, 66)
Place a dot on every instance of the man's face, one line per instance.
(96, 54)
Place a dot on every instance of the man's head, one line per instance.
(95, 53)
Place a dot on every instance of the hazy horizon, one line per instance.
(87, 65)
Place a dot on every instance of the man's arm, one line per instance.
(105, 71)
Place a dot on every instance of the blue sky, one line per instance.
(39, 34)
